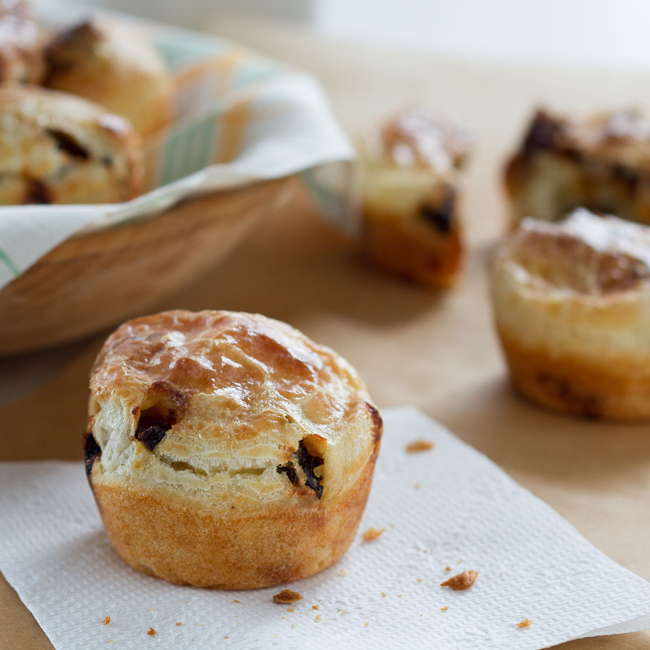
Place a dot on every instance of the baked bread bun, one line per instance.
(20, 44)
(409, 189)
(227, 450)
(113, 64)
(572, 307)
(601, 162)
(55, 148)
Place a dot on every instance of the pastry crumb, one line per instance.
(367, 623)
(318, 617)
(523, 624)
(417, 485)
(445, 608)
(461, 581)
(419, 579)
(383, 595)
(372, 533)
(286, 597)
(151, 632)
(343, 572)
(237, 601)
(107, 620)
(314, 606)
(177, 624)
(447, 568)
(419, 445)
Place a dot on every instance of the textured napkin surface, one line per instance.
(448, 507)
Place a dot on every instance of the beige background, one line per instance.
(434, 351)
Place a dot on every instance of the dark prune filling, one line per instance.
(65, 142)
(153, 428)
(308, 464)
(289, 470)
(441, 218)
(38, 192)
(92, 451)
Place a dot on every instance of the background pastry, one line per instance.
(572, 307)
(20, 46)
(55, 148)
(601, 162)
(409, 186)
(227, 449)
(113, 64)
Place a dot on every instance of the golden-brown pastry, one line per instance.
(409, 176)
(113, 64)
(20, 47)
(572, 307)
(226, 449)
(55, 148)
(601, 162)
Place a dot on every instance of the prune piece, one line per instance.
(92, 451)
(309, 463)
(65, 142)
(289, 470)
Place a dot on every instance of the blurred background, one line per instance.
(573, 32)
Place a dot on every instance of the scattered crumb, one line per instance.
(237, 601)
(286, 597)
(419, 579)
(318, 618)
(151, 632)
(225, 637)
(383, 595)
(293, 626)
(400, 596)
(343, 572)
(444, 609)
(111, 640)
(367, 623)
(177, 624)
(419, 445)
(459, 562)
(447, 568)
(417, 485)
(523, 624)
(314, 606)
(152, 609)
(372, 533)
(461, 581)
(107, 620)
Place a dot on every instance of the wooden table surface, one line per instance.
(434, 351)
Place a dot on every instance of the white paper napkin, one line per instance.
(446, 507)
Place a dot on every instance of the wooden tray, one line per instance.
(95, 280)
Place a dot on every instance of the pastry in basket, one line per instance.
(572, 307)
(56, 148)
(113, 64)
(601, 162)
(20, 46)
(228, 450)
(409, 184)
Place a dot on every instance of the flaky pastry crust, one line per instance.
(56, 148)
(226, 449)
(411, 224)
(113, 64)
(572, 308)
(601, 162)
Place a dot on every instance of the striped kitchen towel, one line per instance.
(242, 118)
